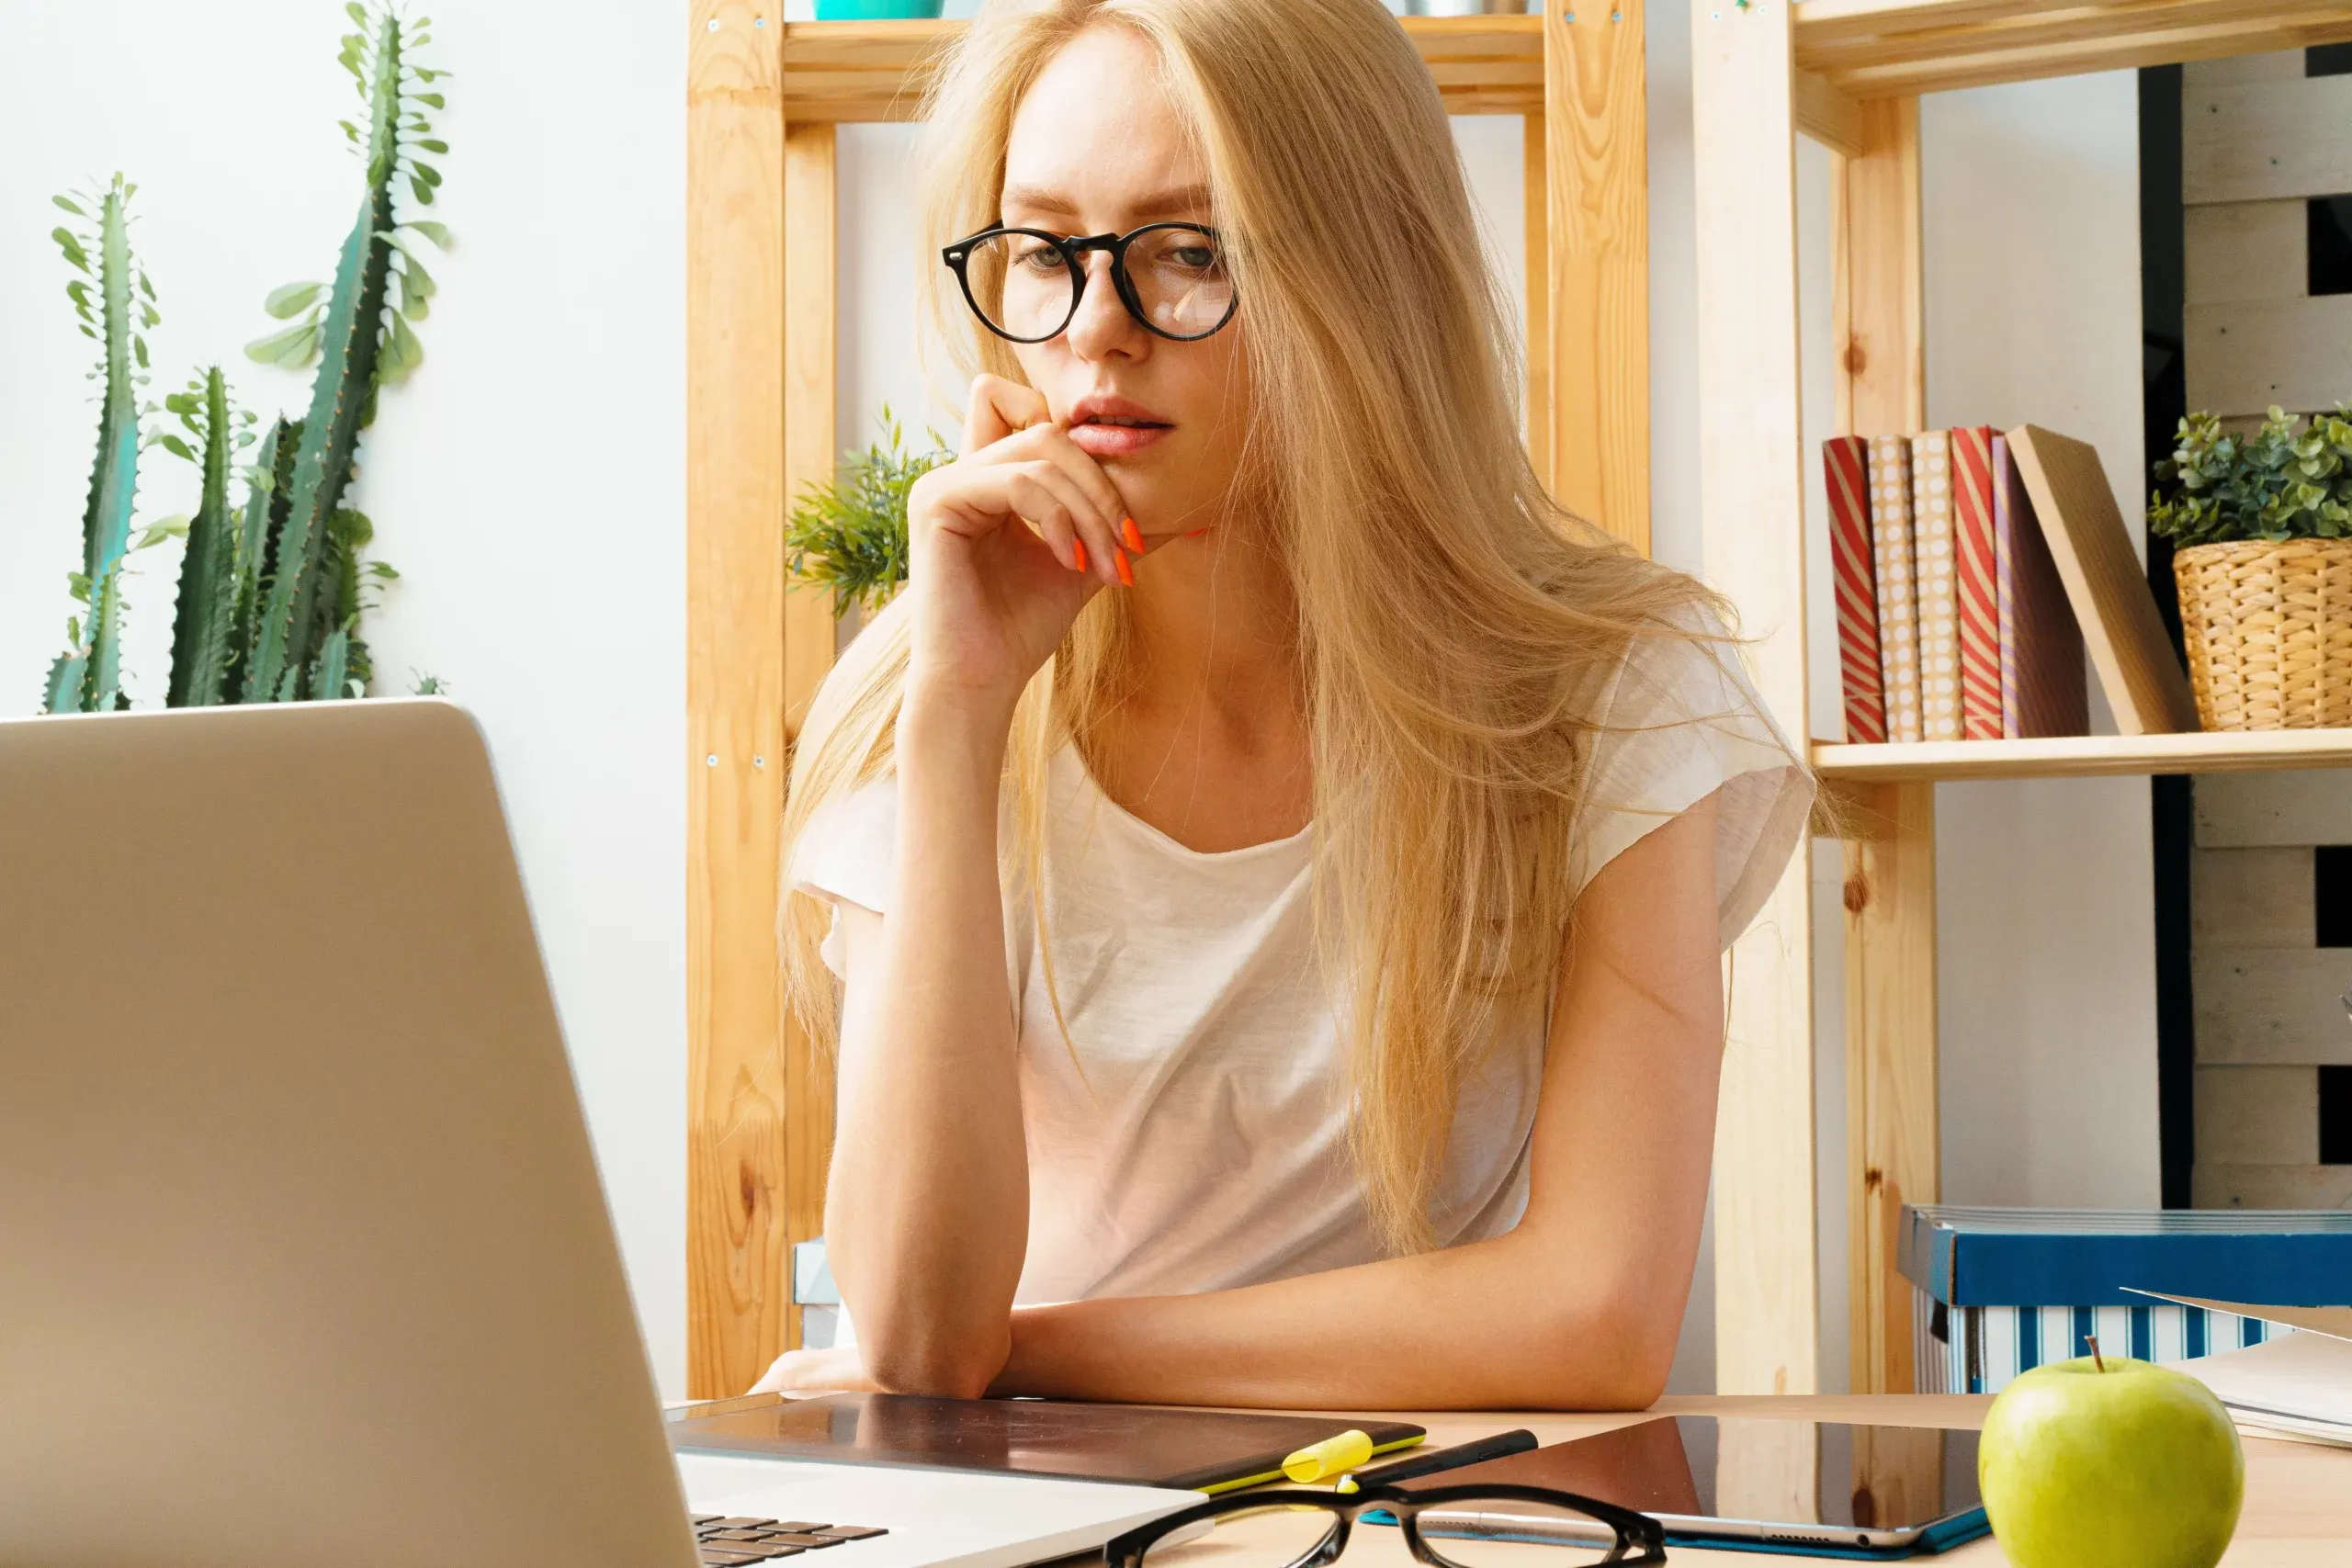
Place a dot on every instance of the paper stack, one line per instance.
(2298, 1386)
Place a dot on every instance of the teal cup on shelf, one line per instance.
(876, 10)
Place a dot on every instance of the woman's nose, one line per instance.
(1102, 327)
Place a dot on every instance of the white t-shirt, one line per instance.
(1190, 1132)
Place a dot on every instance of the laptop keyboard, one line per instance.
(726, 1541)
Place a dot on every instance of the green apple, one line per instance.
(2110, 1464)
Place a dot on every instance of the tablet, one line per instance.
(1190, 1451)
(1820, 1487)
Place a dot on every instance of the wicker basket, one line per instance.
(2268, 628)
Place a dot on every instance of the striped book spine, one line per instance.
(1983, 1349)
(2044, 689)
(1981, 709)
(1856, 580)
(1937, 588)
(1889, 460)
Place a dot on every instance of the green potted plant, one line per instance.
(2263, 522)
(851, 535)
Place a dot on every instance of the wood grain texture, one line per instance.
(2280, 1007)
(2252, 898)
(1535, 412)
(2310, 806)
(2217, 1186)
(1827, 115)
(1877, 320)
(736, 1234)
(1596, 172)
(2239, 69)
(2246, 249)
(1892, 1152)
(809, 451)
(2142, 675)
(1752, 524)
(2246, 355)
(2266, 141)
(2260, 1115)
(2091, 756)
(1893, 1142)
(836, 72)
(1903, 48)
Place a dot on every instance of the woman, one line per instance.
(1274, 865)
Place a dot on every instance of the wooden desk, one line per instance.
(2298, 1497)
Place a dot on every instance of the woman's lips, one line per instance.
(1099, 440)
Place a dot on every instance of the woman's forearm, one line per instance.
(1490, 1325)
(927, 1212)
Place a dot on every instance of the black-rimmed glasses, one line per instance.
(1025, 284)
(1444, 1526)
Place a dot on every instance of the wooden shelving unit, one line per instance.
(764, 99)
(1848, 72)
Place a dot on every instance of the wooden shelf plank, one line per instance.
(877, 70)
(1875, 49)
(2086, 756)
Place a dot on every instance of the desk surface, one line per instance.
(2298, 1496)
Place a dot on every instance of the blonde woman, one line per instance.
(1267, 872)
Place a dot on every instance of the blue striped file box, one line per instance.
(2000, 1291)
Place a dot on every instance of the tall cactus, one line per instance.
(358, 345)
(87, 677)
(213, 573)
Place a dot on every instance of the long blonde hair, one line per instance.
(1454, 629)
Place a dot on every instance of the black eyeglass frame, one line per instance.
(1636, 1532)
(1073, 250)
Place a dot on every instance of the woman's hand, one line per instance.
(817, 1371)
(1005, 545)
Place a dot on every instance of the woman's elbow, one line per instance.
(922, 1360)
(1616, 1357)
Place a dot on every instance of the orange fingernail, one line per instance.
(1127, 572)
(1078, 555)
(1131, 533)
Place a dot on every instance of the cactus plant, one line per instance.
(214, 572)
(87, 677)
(304, 640)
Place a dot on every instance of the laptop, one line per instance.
(303, 1256)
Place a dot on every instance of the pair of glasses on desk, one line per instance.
(1443, 1526)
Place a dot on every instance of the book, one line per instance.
(2298, 1387)
(1937, 585)
(1889, 464)
(1977, 571)
(1854, 578)
(2138, 668)
(2044, 689)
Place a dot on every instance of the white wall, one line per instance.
(528, 484)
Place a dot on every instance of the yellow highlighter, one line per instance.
(1319, 1462)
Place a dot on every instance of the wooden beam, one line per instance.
(877, 71)
(1879, 321)
(736, 1254)
(1752, 522)
(1893, 1149)
(810, 450)
(1827, 115)
(2247, 355)
(2256, 29)
(1536, 208)
(2266, 140)
(1837, 34)
(1878, 318)
(1597, 324)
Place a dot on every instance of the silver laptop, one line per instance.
(302, 1253)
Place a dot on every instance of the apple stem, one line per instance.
(2095, 1361)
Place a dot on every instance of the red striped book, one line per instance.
(1978, 567)
(1855, 580)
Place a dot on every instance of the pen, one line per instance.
(1513, 1442)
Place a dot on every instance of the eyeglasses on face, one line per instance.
(1443, 1526)
(1025, 284)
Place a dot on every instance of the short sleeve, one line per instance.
(847, 854)
(1683, 722)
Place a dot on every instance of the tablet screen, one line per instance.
(1703, 1468)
